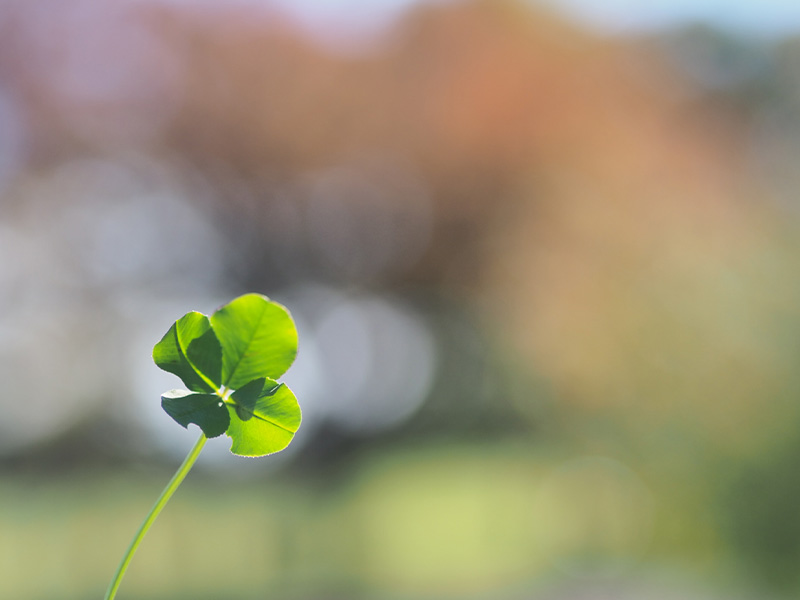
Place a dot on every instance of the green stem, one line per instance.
(176, 480)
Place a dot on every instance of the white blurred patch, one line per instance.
(52, 368)
(86, 251)
(372, 361)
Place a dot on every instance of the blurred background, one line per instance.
(543, 259)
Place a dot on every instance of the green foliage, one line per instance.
(230, 362)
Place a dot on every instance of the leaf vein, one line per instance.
(247, 347)
(266, 420)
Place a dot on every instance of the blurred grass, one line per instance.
(443, 521)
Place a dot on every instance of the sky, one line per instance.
(756, 17)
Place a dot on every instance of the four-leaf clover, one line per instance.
(230, 363)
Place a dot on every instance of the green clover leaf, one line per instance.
(264, 417)
(191, 335)
(206, 411)
(230, 362)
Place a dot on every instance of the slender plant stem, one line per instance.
(176, 480)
